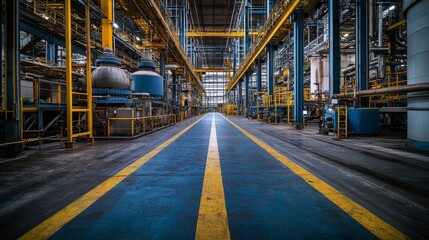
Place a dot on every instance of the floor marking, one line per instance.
(212, 217)
(367, 219)
(54, 223)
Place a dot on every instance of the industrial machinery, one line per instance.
(118, 103)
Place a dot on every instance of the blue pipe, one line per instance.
(298, 32)
(258, 74)
(270, 68)
(334, 49)
(362, 49)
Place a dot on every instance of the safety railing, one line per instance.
(281, 9)
(53, 12)
(139, 125)
(173, 36)
(230, 109)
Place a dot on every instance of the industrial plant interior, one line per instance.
(206, 119)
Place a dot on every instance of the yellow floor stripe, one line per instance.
(51, 225)
(370, 221)
(212, 217)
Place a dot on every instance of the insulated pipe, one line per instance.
(401, 89)
(298, 63)
(380, 25)
(334, 47)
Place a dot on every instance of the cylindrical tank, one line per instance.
(417, 14)
(146, 80)
(108, 74)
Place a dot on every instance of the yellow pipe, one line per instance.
(80, 134)
(132, 128)
(88, 69)
(218, 34)
(106, 24)
(202, 70)
(108, 127)
(253, 55)
(59, 95)
(69, 97)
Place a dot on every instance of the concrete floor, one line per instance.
(265, 199)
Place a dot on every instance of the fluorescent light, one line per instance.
(115, 25)
(391, 7)
(137, 38)
(346, 35)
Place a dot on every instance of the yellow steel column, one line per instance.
(90, 138)
(69, 89)
(106, 24)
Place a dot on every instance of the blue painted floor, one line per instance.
(264, 199)
(160, 200)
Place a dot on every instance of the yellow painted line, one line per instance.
(54, 223)
(212, 217)
(367, 219)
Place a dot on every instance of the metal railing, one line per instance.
(281, 11)
(142, 124)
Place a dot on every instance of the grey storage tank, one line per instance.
(108, 74)
(146, 80)
(417, 14)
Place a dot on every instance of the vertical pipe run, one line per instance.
(88, 70)
(362, 49)
(334, 47)
(298, 28)
(175, 107)
(258, 74)
(69, 86)
(380, 25)
(240, 96)
(234, 57)
(183, 27)
(13, 82)
(270, 68)
(246, 94)
(246, 27)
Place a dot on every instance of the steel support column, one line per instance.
(2, 80)
(362, 48)
(259, 75)
(334, 47)
(246, 94)
(246, 27)
(298, 34)
(240, 96)
(234, 57)
(270, 68)
(89, 118)
(69, 84)
(174, 81)
(183, 27)
(107, 23)
(13, 82)
(162, 61)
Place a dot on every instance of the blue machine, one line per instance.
(146, 80)
(363, 121)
